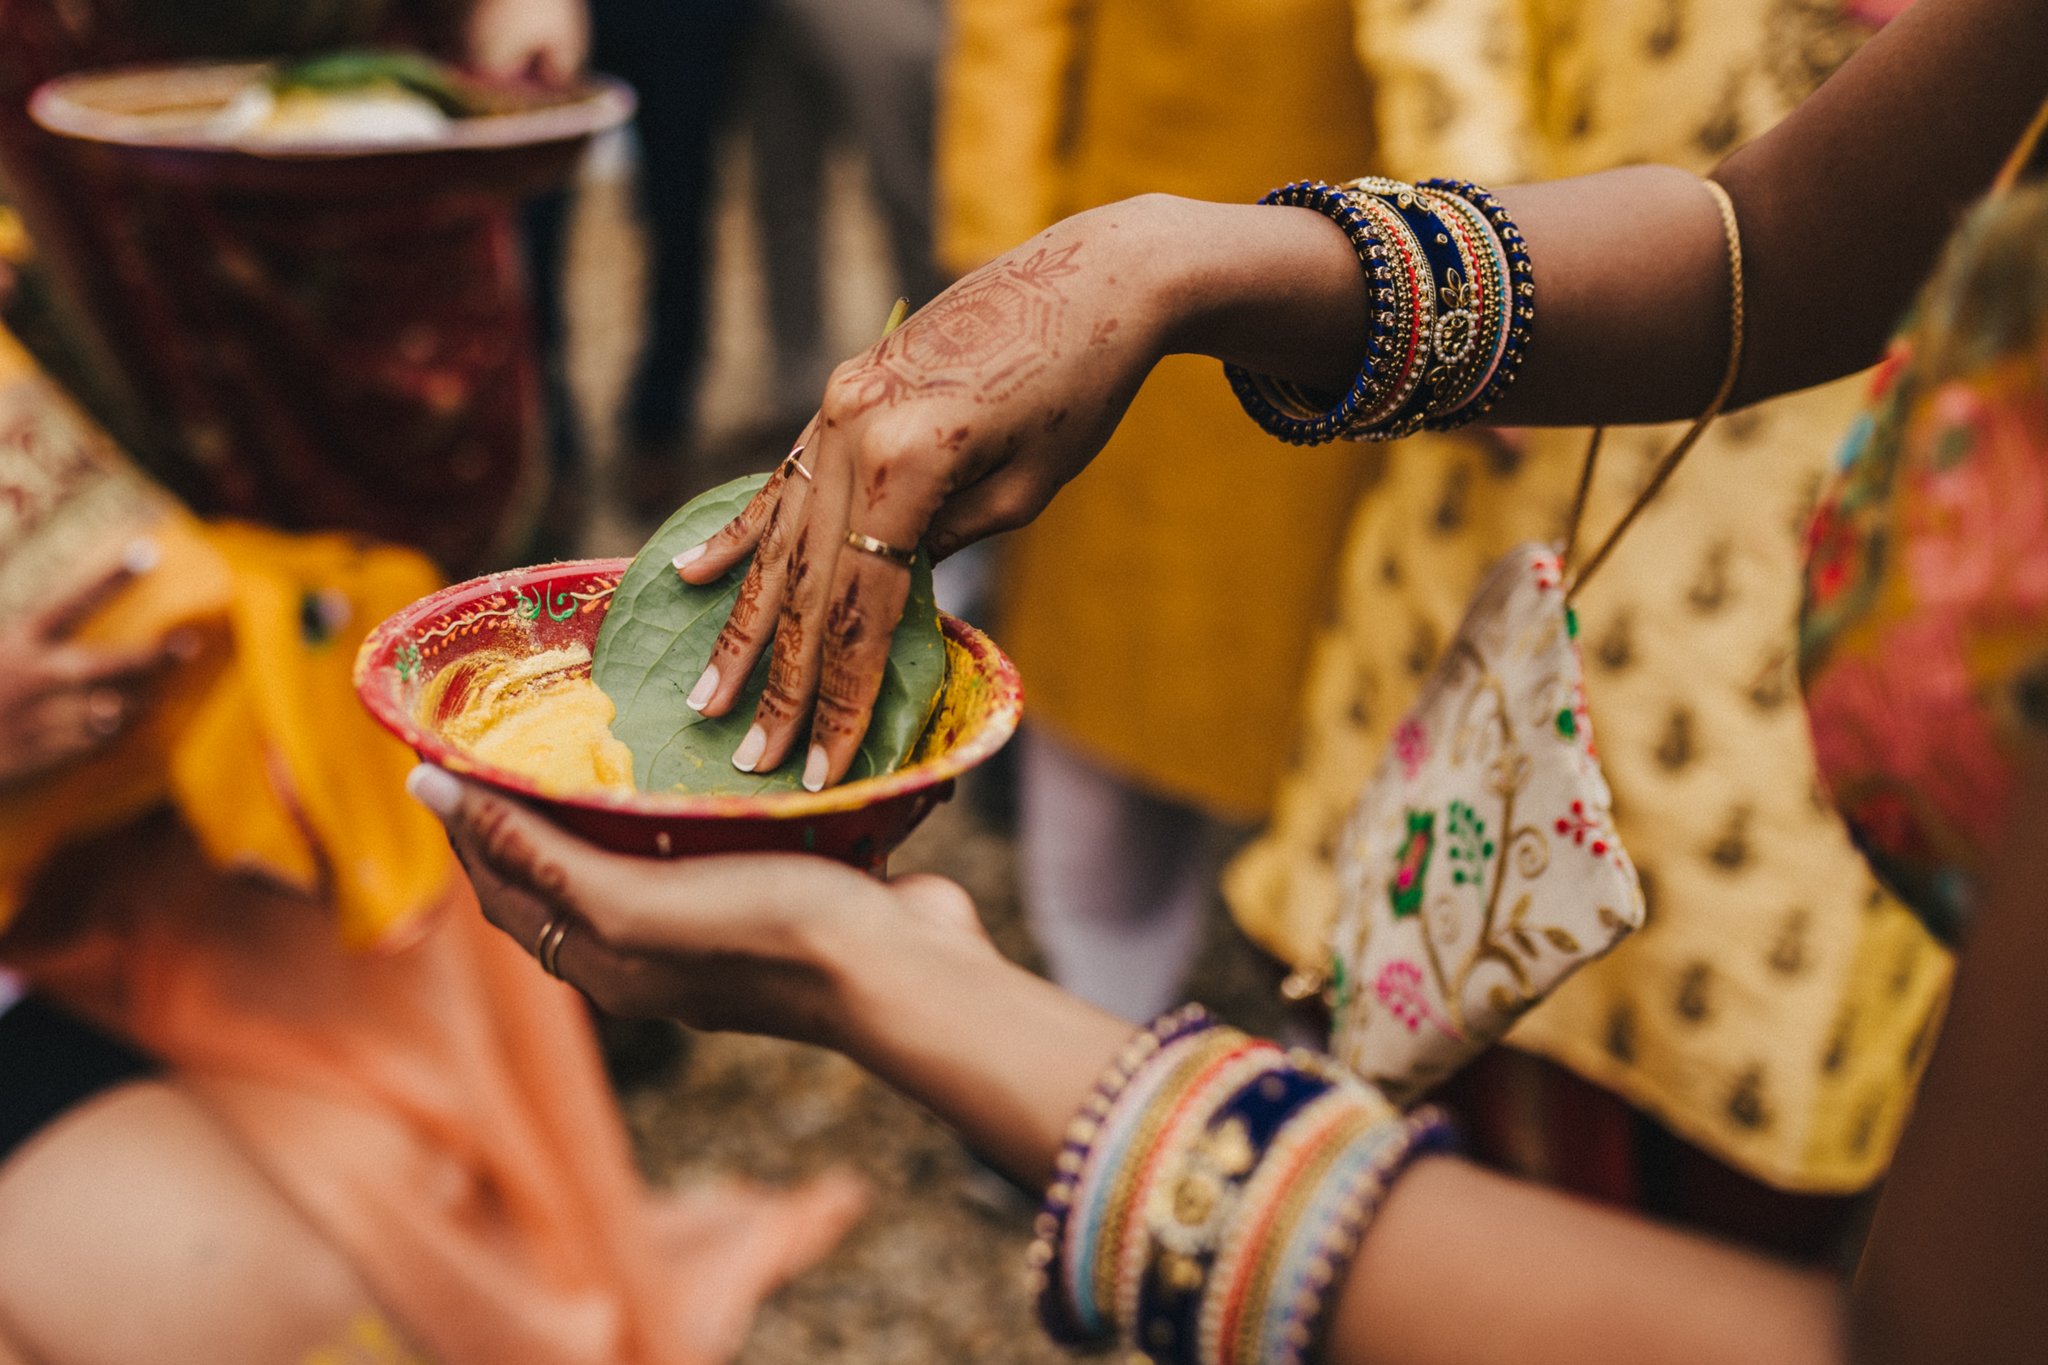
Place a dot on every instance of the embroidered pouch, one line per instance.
(1480, 867)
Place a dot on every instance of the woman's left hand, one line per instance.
(760, 943)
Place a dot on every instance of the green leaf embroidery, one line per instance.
(1470, 850)
(658, 636)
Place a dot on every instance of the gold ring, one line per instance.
(882, 548)
(790, 461)
(548, 947)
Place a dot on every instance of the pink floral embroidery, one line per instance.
(1976, 518)
(1907, 718)
(1411, 746)
(1876, 13)
(1399, 987)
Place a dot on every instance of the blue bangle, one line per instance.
(1281, 410)
(1176, 1282)
(1521, 318)
(1448, 299)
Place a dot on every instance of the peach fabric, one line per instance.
(438, 1111)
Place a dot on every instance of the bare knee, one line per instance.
(133, 1228)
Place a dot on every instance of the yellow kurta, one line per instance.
(1774, 1009)
(1161, 609)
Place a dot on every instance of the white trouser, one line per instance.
(1117, 882)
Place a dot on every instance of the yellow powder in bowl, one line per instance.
(538, 715)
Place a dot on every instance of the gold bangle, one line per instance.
(1731, 232)
(882, 549)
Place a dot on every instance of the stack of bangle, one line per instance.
(1211, 1192)
(1450, 297)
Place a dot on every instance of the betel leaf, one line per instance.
(658, 635)
(355, 69)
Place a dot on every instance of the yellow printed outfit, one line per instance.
(1128, 605)
(1773, 1009)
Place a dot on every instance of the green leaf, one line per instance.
(657, 638)
(366, 68)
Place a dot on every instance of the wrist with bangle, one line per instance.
(1209, 1196)
(1451, 300)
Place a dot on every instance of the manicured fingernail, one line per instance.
(700, 695)
(814, 769)
(689, 556)
(435, 789)
(749, 753)
(142, 555)
(184, 645)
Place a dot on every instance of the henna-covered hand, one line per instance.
(962, 423)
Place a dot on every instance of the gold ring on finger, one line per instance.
(881, 548)
(548, 947)
(105, 708)
(790, 461)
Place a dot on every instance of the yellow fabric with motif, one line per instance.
(258, 743)
(1775, 1008)
(1161, 609)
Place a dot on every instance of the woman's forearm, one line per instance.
(1003, 1056)
(1843, 207)
(1465, 1267)
(1461, 1267)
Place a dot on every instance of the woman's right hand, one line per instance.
(780, 944)
(61, 701)
(962, 423)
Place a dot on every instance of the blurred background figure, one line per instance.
(248, 1013)
(682, 57)
(264, 1031)
(1736, 1065)
(313, 362)
(1161, 711)
(837, 76)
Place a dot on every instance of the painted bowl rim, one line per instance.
(600, 104)
(797, 805)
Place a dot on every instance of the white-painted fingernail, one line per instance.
(435, 789)
(690, 556)
(700, 695)
(749, 753)
(814, 769)
(142, 555)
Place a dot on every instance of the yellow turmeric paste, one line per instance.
(538, 715)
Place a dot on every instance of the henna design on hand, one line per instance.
(732, 637)
(988, 336)
(509, 854)
(843, 688)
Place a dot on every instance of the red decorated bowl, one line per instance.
(474, 626)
